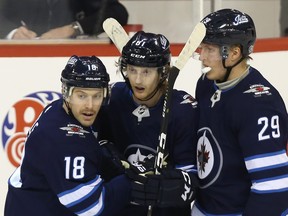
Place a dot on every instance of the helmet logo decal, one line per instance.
(137, 56)
(72, 60)
(163, 41)
(239, 19)
(206, 20)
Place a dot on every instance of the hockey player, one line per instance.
(134, 116)
(59, 173)
(242, 162)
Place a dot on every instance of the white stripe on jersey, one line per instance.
(266, 161)
(270, 185)
(188, 168)
(15, 179)
(72, 197)
(94, 209)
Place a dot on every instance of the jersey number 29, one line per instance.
(268, 124)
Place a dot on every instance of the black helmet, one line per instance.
(147, 50)
(230, 27)
(84, 72)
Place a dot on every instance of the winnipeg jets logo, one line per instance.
(138, 156)
(209, 157)
(258, 90)
(141, 112)
(74, 129)
(239, 19)
(203, 156)
(215, 97)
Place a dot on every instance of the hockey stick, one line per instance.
(191, 45)
(116, 33)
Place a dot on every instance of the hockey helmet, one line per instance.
(228, 27)
(84, 72)
(147, 50)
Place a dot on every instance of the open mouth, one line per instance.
(139, 89)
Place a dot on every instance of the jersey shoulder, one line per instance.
(255, 90)
(182, 98)
(119, 89)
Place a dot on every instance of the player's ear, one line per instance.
(235, 53)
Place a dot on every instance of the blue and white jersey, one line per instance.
(59, 172)
(241, 150)
(135, 130)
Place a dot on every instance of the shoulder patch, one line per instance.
(188, 99)
(74, 129)
(258, 90)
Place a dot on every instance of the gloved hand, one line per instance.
(171, 188)
(113, 163)
(137, 170)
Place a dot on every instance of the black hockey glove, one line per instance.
(139, 169)
(171, 188)
(112, 161)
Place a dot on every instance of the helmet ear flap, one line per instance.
(224, 51)
(106, 95)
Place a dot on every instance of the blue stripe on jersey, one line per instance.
(79, 193)
(285, 213)
(270, 185)
(266, 161)
(95, 209)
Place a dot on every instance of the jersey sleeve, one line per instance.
(263, 138)
(72, 174)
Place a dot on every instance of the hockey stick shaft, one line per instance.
(191, 45)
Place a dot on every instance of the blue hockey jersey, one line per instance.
(135, 131)
(241, 150)
(59, 172)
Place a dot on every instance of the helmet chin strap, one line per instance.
(229, 69)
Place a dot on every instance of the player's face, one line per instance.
(143, 80)
(85, 104)
(211, 57)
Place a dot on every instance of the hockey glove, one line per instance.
(139, 169)
(171, 188)
(113, 163)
